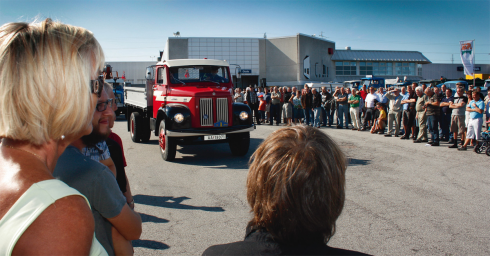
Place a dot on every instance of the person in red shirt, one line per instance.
(262, 108)
(363, 92)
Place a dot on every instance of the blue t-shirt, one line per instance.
(267, 97)
(382, 98)
(480, 104)
(405, 97)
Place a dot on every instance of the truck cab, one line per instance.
(371, 81)
(353, 84)
(118, 88)
(188, 101)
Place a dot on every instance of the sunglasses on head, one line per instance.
(97, 85)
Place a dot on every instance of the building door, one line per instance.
(250, 81)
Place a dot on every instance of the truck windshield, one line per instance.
(196, 74)
(367, 83)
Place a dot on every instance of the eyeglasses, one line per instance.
(97, 85)
(101, 107)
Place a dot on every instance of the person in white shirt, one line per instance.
(238, 95)
(369, 104)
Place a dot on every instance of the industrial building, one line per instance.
(296, 60)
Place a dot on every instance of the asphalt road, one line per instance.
(401, 198)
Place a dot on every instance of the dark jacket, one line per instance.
(316, 100)
(259, 242)
(306, 100)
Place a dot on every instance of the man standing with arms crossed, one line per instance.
(458, 107)
(343, 109)
(370, 104)
(275, 106)
(421, 116)
(409, 113)
(433, 111)
(354, 102)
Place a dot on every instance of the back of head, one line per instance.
(295, 185)
(45, 73)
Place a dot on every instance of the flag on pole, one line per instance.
(467, 56)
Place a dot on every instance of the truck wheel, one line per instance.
(145, 131)
(135, 126)
(168, 147)
(239, 143)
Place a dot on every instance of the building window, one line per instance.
(419, 69)
(389, 69)
(365, 68)
(398, 68)
(345, 68)
(405, 69)
(411, 69)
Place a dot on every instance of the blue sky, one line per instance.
(137, 30)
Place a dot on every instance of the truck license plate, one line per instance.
(215, 137)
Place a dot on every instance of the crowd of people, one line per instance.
(63, 186)
(413, 112)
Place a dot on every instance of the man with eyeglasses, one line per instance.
(116, 224)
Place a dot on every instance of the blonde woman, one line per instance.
(49, 86)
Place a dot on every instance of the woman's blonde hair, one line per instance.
(295, 185)
(45, 73)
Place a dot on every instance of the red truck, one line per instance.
(188, 101)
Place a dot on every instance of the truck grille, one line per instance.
(206, 111)
(222, 110)
(206, 107)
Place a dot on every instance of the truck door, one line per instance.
(160, 88)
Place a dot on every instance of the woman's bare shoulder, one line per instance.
(66, 227)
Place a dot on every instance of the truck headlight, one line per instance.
(243, 115)
(179, 118)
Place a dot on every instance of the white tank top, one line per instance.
(29, 206)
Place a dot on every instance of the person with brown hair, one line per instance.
(295, 188)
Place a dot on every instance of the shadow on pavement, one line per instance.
(172, 202)
(150, 244)
(354, 162)
(150, 218)
(217, 156)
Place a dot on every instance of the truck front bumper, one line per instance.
(211, 131)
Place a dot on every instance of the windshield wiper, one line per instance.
(177, 79)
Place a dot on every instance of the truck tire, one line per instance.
(168, 147)
(145, 131)
(239, 143)
(135, 126)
